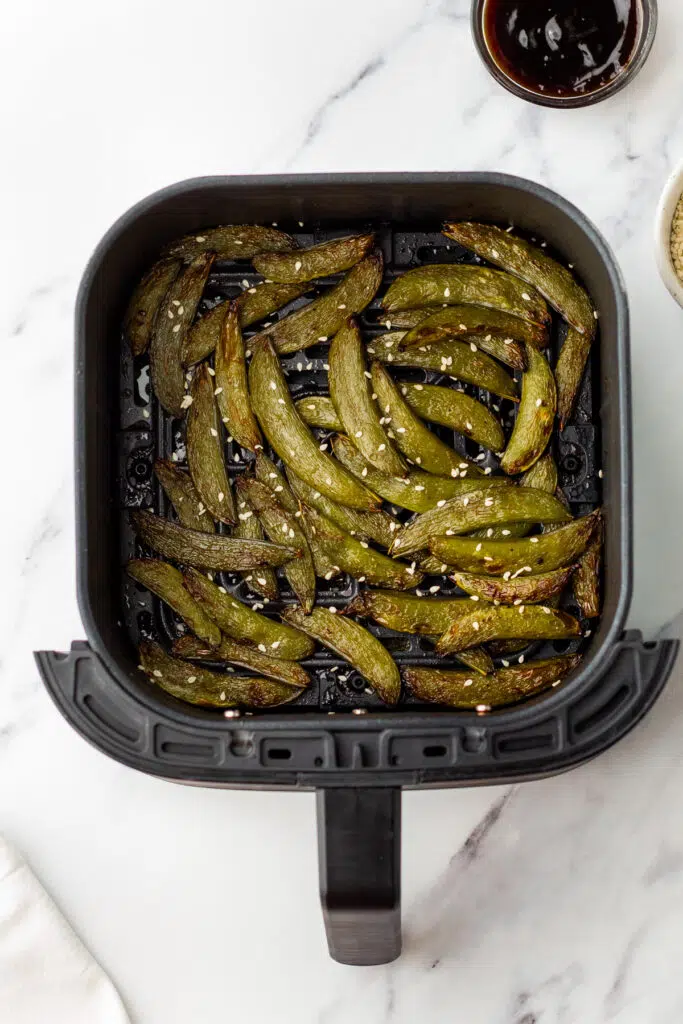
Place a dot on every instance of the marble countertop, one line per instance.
(549, 903)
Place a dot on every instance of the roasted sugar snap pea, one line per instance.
(456, 410)
(378, 526)
(477, 659)
(542, 476)
(232, 242)
(587, 576)
(522, 590)
(351, 395)
(235, 653)
(454, 358)
(544, 553)
(486, 507)
(457, 284)
(207, 551)
(292, 439)
(354, 557)
(491, 622)
(319, 261)
(475, 321)
(239, 621)
(231, 389)
(505, 686)
(282, 525)
(145, 302)
(261, 581)
(530, 263)
(415, 440)
(167, 583)
(254, 304)
(205, 455)
(535, 416)
(171, 325)
(319, 411)
(202, 686)
(353, 643)
(321, 319)
(183, 495)
(500, 346)
(271, 475)
(569, 371)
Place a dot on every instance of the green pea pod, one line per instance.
(322, 318)
(261, 581)
(351, 396)
(197, 685)
(475, 321)
(491, 622)
(239, 621)
(587, 576)
(171, 325)
(535, 417)
(282, 525)
(522, 590)
(270, 475)
(432, 566)
(414, 439)
(478, 659)
(144, 305)
(544, 553)
(353, 643)
(408, 613)
(254, 304)
(167, 583)
(542, 476)
(378, 526)
(289, 672)
(232, 242)
(453, 358)
(354, 557)
(487, 507)
(500, 346)
(506, 686)
(232, 392)
(207, 551)
(406, 319)
(456, 284)
(319, 261)
(457, 411)
(205, 455)
(319, 411)
(531, 264)
(292, 439)
(569, 371)
(183, 495)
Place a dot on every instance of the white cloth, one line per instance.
(47, 975)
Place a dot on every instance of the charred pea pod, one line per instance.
(378, 526)
(587, 576)
(182, 494)
(231, 242)
(261, 581)
(319, 411)
(353, 643)
(167, 583)
(542, 476)
(270, 475)
(491, 622)
(234, 653)
(319, 261)
(145, 303)
(522, 590)
(569, 371)
(535, 416)
(457, 411)
(501, 347)
(205, 455)
(482, 693)
(231, 390)
(473, 322)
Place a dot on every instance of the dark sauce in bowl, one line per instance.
(562, 48)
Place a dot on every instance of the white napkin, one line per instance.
(47, 975)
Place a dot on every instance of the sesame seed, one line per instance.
(176, 328)
(276, 490)
(262, 647)
(600, 474)
(170, 314)
(419, 487)
(367, 374)
(533, 540)
(465, 501)
(475, 625)
(473, 346)
(526, 296)
(186, 402)
(469, 425)
(539, 403)
(455, 473)
(464, 465)
(434, 590)
(214, 432)
(273, 386)
(297, 265)
(363, 544)
(218, 391)
(507, 575)
(333, 610)
(446, 292)
(468, 682)
(157, 673)
(381, 447)
(364, 471)
(507, 341)
(342, 305)
(359, 433)
(418, 460)
(440, 504)
(546, 610)
(488, 502)
(520, 659)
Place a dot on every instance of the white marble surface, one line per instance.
(203, 903)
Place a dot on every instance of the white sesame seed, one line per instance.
(465, 500)
(469, 425)
(507, 575)
(419, 487)
(505, 663)
(333, 609)
(526, 296)
(520, 659)
(359, 433)
(297, 265)
(434, 590)
(281, 401)
(364, 471)
(273, 386)
(214, 432)
(218, 391)
(533, 540)
(600, 474)
(262, 647)
(342, 305)
(488, 502)
(473, 346)
(468, 682)
(446, 292)
(475, 625)
(186, 402)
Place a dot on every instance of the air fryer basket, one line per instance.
(360, 756)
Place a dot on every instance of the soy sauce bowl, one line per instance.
(641, 51)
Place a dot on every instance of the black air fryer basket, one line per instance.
(337, 738)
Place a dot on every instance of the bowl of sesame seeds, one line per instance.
(669, 235)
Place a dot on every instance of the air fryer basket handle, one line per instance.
(359, 849)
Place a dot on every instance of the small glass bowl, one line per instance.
(673, 190)
(648, 28)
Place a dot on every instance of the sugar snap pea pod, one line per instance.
(530, 263)
(270, 475)
(491, 622)
(505, 686)
(500, 346)
(145, 302)
(473, 321)
(535, 416)
(261, 581)
(205, 455)
(542, 476)
(522, 590)
(587, 576)
(292, 439)
(354, 643)
(456, 410)
(232, 392)
(232, 242)
(167, 583)
(477, 659)
(319, 261)
(539, 554)
(351, 395)
(378, 526)
(486, 507)
(319, 411)
(171, 324)
(458, 284)
(197, 685)
(239, 621)
(432, 566)
(454, 358)
(406, 319)
(253, 304)
(569, 370)
(208, 551)
(414, 439)
(235, 653)
(183, 495)
(282, 525)
(322, 318)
